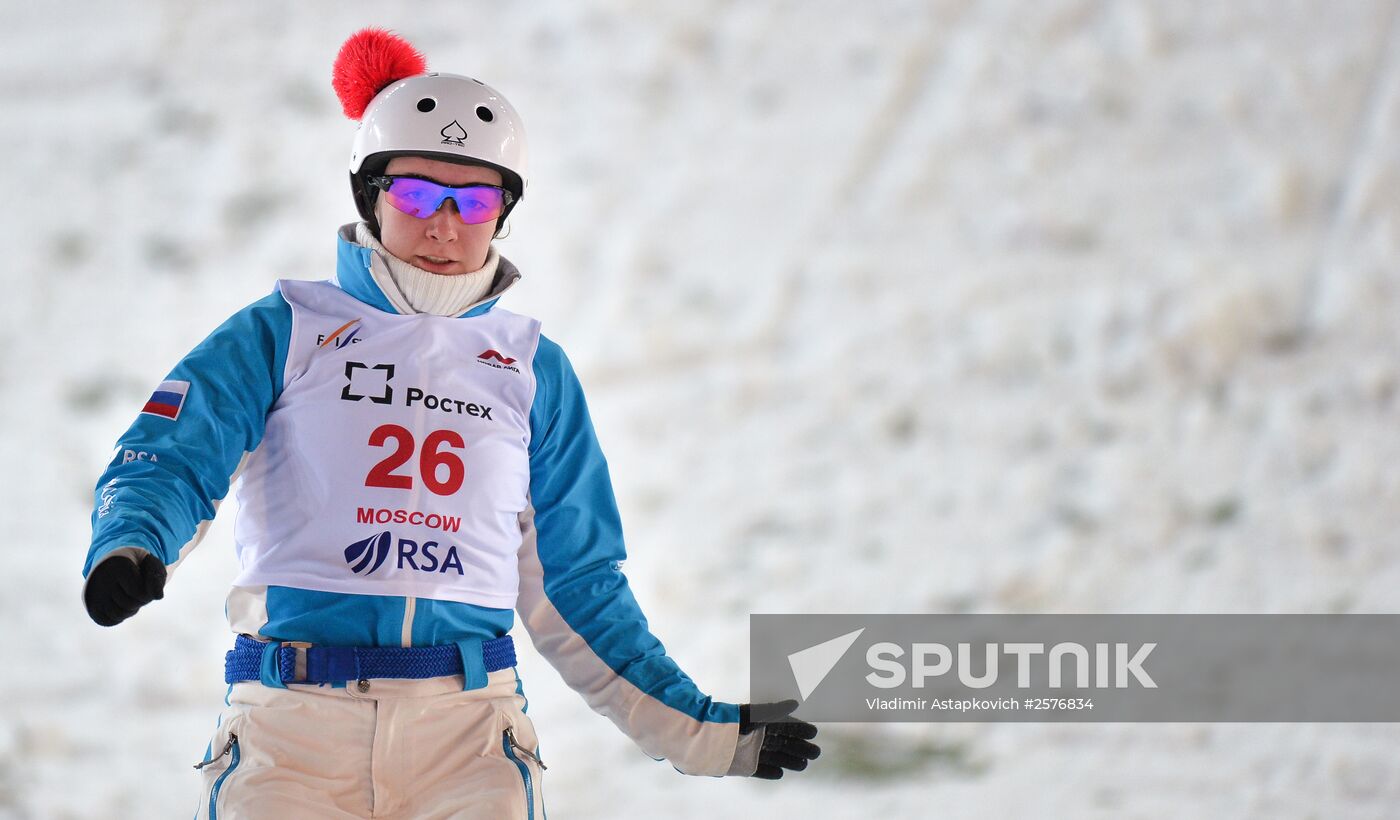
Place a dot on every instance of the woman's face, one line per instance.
(441, 243)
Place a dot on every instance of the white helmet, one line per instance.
(441, 116)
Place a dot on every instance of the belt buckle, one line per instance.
(331, 664)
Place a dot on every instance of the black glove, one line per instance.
(785, 738)
(119, 586)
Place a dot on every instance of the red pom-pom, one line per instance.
(368, 62)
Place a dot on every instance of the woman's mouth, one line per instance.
(436, 264)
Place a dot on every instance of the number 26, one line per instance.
(429, 465)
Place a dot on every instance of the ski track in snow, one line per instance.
(922, 306)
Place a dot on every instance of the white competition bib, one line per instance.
(395, 461)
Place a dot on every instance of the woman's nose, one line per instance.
(442, 225)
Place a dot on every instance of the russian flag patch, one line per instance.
(167, 400)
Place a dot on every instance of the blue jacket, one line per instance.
(165, 482)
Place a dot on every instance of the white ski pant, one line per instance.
(399, 749)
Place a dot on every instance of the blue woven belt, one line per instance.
(336, 664)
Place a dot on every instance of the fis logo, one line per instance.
(500, 362)
(346, 334)
(372, 550)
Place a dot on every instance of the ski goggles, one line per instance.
(476, 203)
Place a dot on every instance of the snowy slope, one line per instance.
(900, 306)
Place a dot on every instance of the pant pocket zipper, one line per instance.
(510, 736)
(232, 739)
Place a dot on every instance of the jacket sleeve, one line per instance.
(167, 476)
(575, 601)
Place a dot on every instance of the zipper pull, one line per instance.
(232, 739)
(510, 736)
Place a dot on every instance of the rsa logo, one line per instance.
(367, 555)
(371, 550)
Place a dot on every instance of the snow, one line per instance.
(937, 306)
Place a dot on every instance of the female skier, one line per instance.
(412, 464)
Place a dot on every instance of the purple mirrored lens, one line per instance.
(478, 203)
(415, 197)
(418, 197)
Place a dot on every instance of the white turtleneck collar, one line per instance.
(410, 289)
